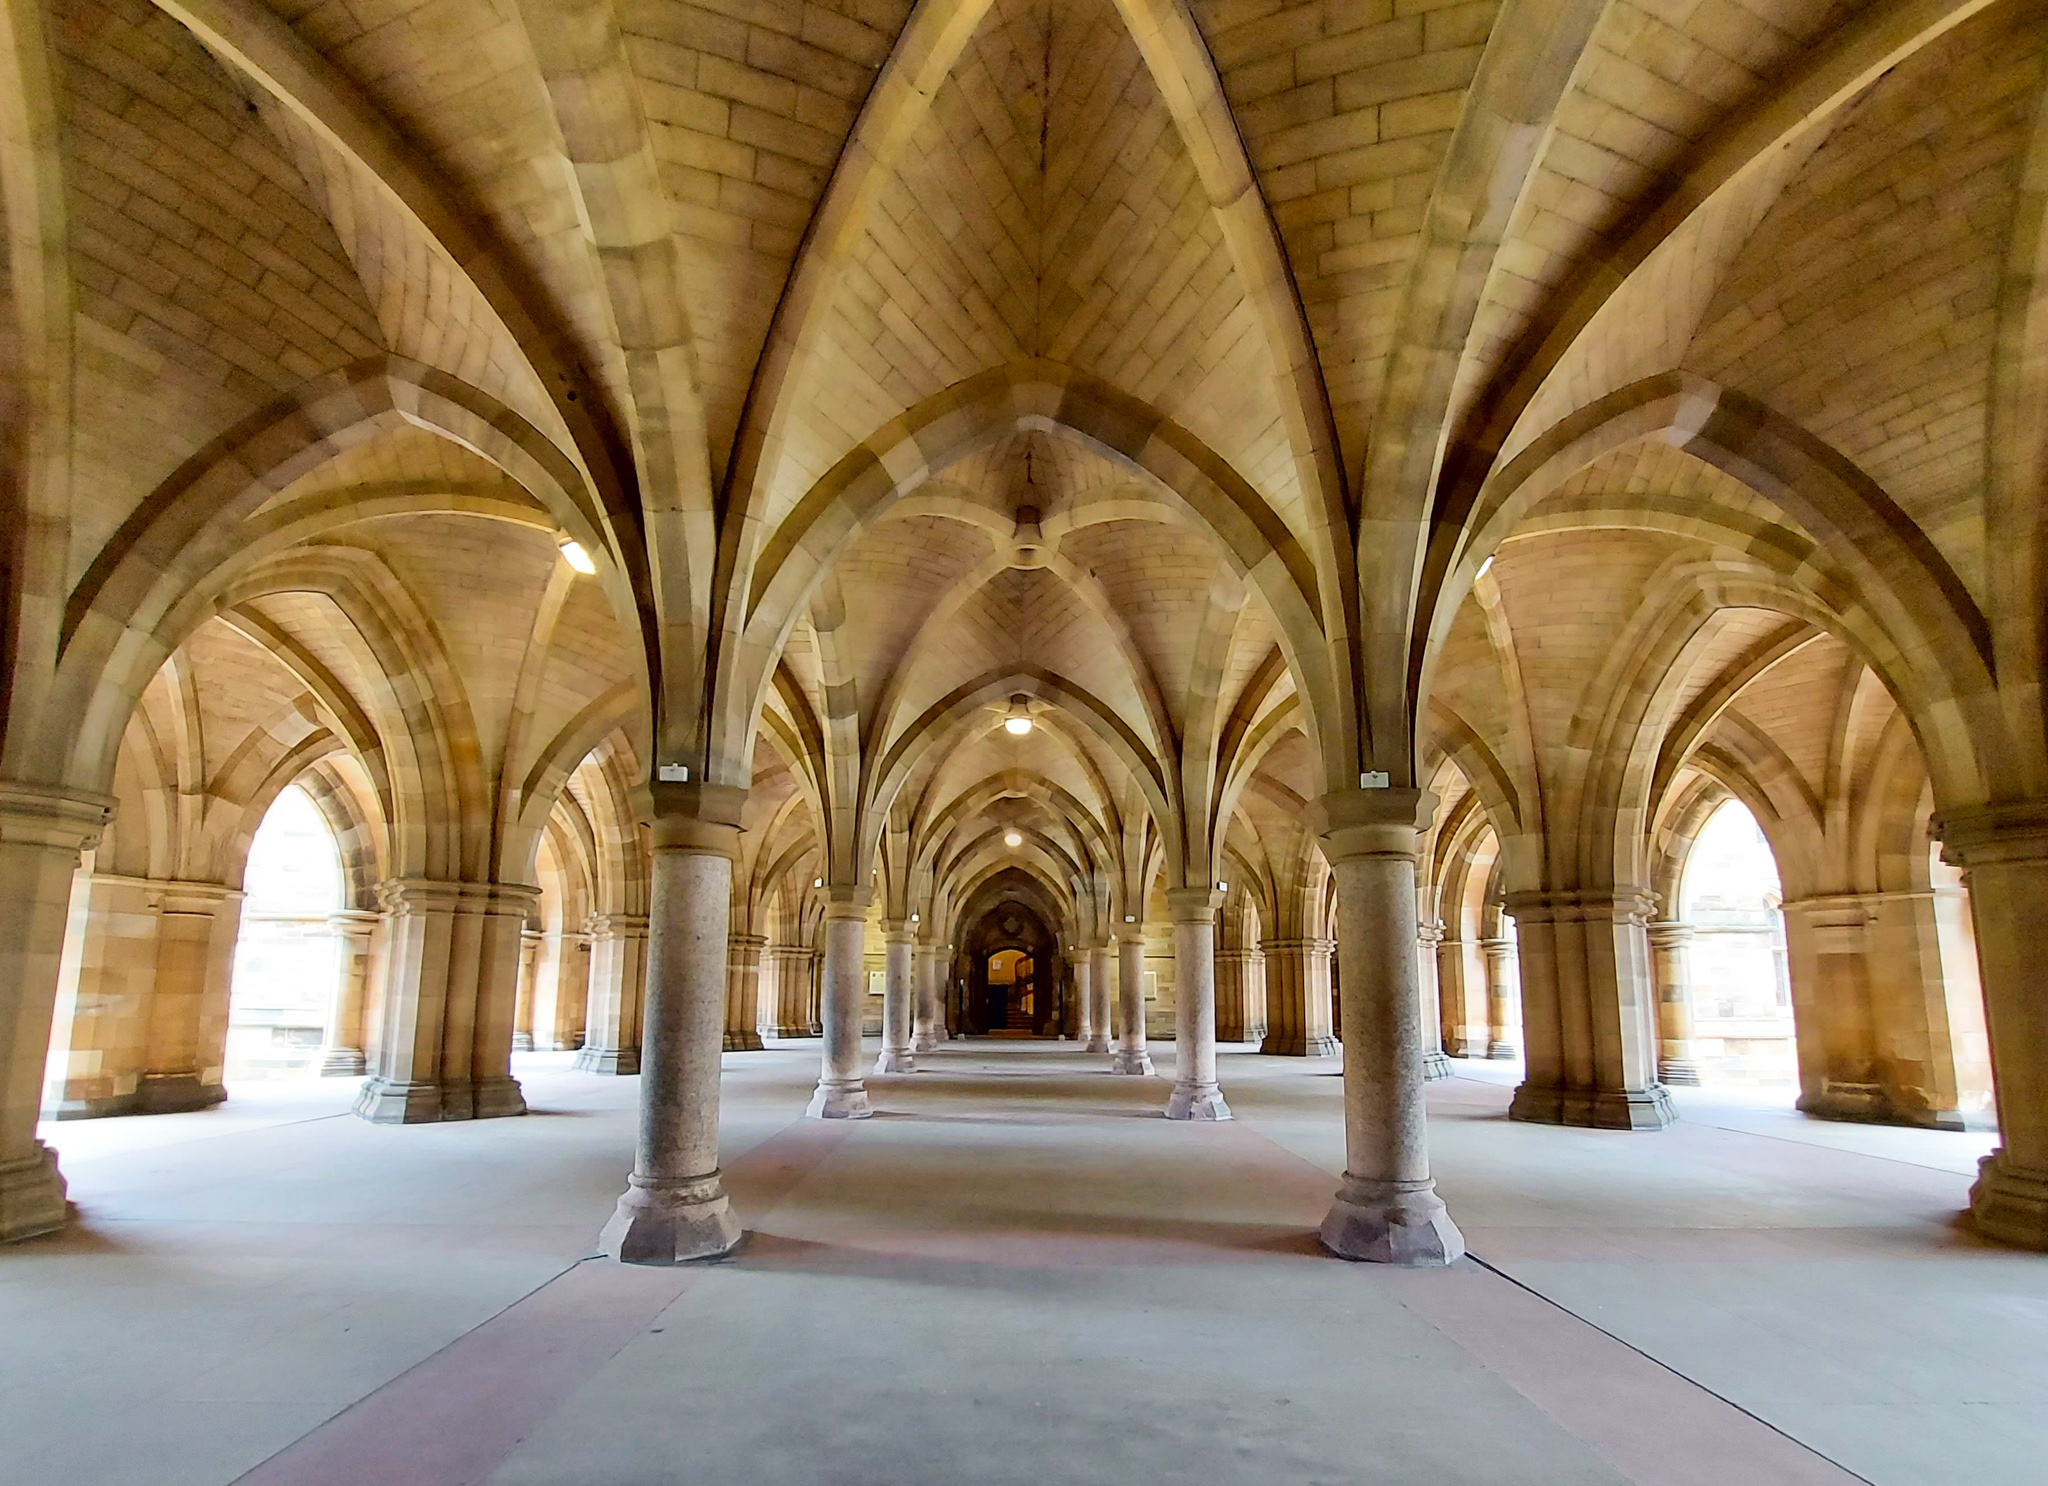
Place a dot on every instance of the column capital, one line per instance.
(1985, 835)
(1355, 823)
(1429, 931)
(616, 925)
(898, 931)
(1192, 905)
(431, 895)
(700, 819)
(44, 815)
(1634, 905)
(1670, 934)
(847, 902)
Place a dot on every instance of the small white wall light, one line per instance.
(574, 555)
(1483, 567)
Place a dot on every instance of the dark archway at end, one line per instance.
(1010, 976)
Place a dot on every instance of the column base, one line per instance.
(2009, 1202)
(671, 1222)
(924, 1042)
(343, 1062)
(623, 1061)
(31, 1195)
(744, 1042)
(1465, 1047)
(1435, 1065)
(486, 1099)
(896, 1060)
(174, 1093)
(790, 1032)
(1097, 1044)
(1594, 1109)
(522, 1042)
(1402, 1223)
(1301, 1047)
(383, 1102)
(1131, 1060)
(1196, 1102)
(836, 1101)
(1680, 1073)
(1502, 1050)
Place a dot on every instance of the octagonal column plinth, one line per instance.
(1131, 1055)
(1387, 1210)
(841, 1092)
(675, 1206)
(1196, 1094)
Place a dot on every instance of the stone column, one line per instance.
(1589, 1011)
(1503, 997)
(561, 994)
(841, 1093)
(897, 944)
(1233, 994)
(529, 977)
(1387, 1210)
(2003, 850)
(814, 992)
(790, 965)
(1434, 1062)
(1462, 994)
(42, 833)
(675, 1206)
(341, 1054)
(929, 1024)
(1131, 1054)
(743, 993)
(1298, 998)
(1670, 943)
(1196, 1094)
(618, 994)
(1084, 1002)
(188, 1005)
(1102, 998)
(451, 975)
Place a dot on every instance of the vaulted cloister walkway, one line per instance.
(1015, 1272)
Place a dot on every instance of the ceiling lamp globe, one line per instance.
(1018, 722)
(1012, 838)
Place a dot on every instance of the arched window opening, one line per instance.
(1736, 976)
(287, 956)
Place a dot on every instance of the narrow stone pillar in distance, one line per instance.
(1196, 1094)
(1503, 995)
(929, 1021)
(790, 993)
(897, 944)
(743, 993)
(842, 1094)
(675, 1206)
(1233, 994)
(42, 833)
(618, 994)
(1084, 1002)
(1435, 1064)
(341, 1052)
(2003, 851)
(1298, 998)
(1100, 997)
(1387, 1210)
(1131, 1054)
(529, 977)
(1462, 995)
(186, 1043)
(1670, 944)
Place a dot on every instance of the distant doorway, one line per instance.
(1013, 983)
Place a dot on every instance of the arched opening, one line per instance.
(1012, 972)
(1730, 932)
(288, 954)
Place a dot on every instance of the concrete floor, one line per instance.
(1016, 1273)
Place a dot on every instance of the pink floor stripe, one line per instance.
(1654, 1425)
(450, 1420)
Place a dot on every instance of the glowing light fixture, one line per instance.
(1018, 722)
(574, 555)
(1011, 838)
(817, 882)
(1483, 567)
